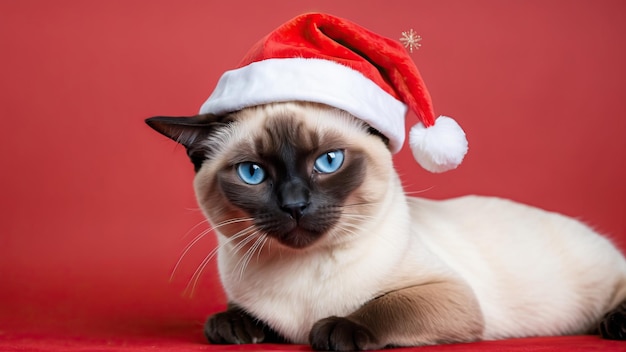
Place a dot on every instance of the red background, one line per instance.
(96, 208)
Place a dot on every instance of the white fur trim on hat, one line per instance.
(440, 147)
(313, 80)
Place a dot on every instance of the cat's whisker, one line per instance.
(243, 262)
(200, 236)
(194, 209)
(193, 282)
(356, 226)
(205, 221)
(231, 221)
(186, 250)
(347, 227)
(362, 204)
(357, 219)
(411, 193)
(249, 236)
(358, 216)
(258, 253)
(190, 289)
(343, 230)
(269, 247)
(198, 272)
(256, 247)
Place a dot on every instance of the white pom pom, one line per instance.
(440, 147)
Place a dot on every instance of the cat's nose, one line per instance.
(296, 210)
(293, 197)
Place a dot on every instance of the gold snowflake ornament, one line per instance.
(411, 40)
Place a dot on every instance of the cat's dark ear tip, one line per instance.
(157, 123)
(155, 119)
(165, 123)
(171, 127)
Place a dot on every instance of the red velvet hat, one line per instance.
(325, 59)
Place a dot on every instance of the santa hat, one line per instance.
(325, 59)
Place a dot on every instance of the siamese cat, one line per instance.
(319, 244)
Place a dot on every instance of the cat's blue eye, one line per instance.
(251, 173)
(329, 162)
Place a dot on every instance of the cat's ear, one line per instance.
(188, 131)
(185, 130)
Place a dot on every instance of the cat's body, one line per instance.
(526, 285)
(343, 259)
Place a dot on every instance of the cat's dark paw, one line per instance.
(233, 327)
(613, 325)
(341, 334)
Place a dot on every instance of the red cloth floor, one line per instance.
(133, 328)
(111, 320)
(188, 338)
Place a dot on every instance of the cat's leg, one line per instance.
(236, 326)
(435, 313)
(613, 325)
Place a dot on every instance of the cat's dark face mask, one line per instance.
(290, 182)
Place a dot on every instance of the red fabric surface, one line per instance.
(97, 208)
(177, 340)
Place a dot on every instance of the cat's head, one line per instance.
(298, 173)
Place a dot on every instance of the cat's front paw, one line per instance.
(613, 325)
(341, 334)
(233, 327)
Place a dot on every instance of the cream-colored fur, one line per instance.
(533, 272)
